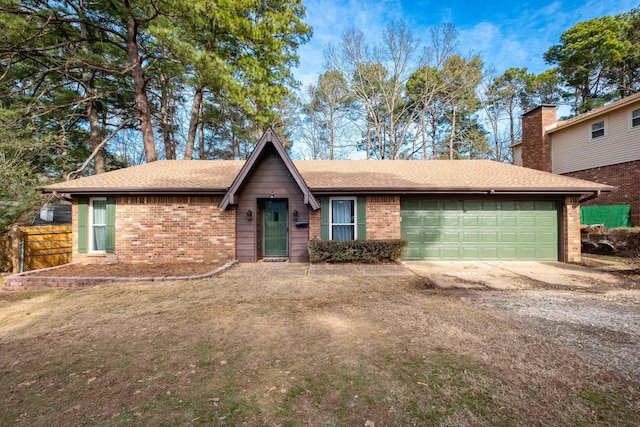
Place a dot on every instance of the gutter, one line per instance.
(591, 197)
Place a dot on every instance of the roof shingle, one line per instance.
(216, 176)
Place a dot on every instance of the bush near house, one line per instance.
(627, 240)
(363, 251)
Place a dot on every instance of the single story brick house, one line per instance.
(270, 206)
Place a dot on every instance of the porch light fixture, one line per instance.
(249, 214)
(295, 214)
(271, 195)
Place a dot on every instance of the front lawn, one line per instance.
(303, 350)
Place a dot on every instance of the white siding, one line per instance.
(572, 149)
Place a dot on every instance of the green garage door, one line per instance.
(476, 230)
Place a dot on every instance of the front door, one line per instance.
(275, 228)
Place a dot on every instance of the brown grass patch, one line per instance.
(129, 270)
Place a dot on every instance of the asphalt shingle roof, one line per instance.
(216, 176)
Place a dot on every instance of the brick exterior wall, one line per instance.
(536, 143)
(314, 224)
(168, 229)
(572, 239)
(383, 217)
(622, 175)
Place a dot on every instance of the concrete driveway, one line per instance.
(496, 275)
(505, 275)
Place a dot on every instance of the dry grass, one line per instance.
(306, 350)
(129, 270)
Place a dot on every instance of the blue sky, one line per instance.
(504, 33)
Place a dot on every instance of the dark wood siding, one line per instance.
(270, 176)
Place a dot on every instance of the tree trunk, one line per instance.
(95, 130)
(139, 85)
(453, 132)
(193, 123)
(95, 136)
(165, 117)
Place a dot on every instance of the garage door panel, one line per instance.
(545, 206)
(488, 252)
(508, 236)
(546, 221)
(472, 206)
(470, 253)
(508, 206)
(488, 221)
(470, 221)
(508, 253)
(430, 237)
(431, 221)
(489, 236)
(483, 230)
(429, 206)
(508, 221)
(546, 237)
(450, 237)
(450, 253)
(450, 221)
(470, 237)
(527, 221)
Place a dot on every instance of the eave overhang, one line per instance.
(568, 191)
(85, 191)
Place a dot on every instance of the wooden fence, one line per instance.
(33, 248)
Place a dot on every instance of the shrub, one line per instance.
(363, 251)
(627, 240)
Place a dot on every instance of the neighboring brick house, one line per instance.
(270, 207)
(602, 145)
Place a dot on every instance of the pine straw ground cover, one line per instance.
(297, 350)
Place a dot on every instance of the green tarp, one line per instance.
(611, 215)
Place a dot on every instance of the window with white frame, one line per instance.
(635, 118)
(98, 224)
(343, 219)
(597, 129)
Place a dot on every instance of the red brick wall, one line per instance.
(572, 239)
(625, 176)
(168, 229)
(383, 217)
(314, 224)
(536, 143)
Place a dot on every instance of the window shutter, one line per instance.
(362, 217)
(110, 237)
(83, 219)
(325, 213)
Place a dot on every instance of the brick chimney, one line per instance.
(536, 142)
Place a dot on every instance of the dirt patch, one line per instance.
(129, 270)
(601, 329)
(297, 350)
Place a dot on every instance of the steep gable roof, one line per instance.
(268, 138)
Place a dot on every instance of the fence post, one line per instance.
(21, 255)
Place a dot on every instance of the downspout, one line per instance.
(591, 197)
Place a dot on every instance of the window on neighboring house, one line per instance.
(635, 118)
(343, 219)
(98, 225)
(597, 129)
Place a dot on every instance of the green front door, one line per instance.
(480, 230)
(275, 228)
